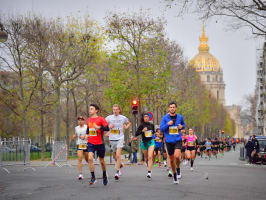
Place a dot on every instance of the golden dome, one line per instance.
(204, 61)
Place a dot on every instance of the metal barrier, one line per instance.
(14, 152)
(59, 154)
(242, 154)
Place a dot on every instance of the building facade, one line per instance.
(209, 69)
(211, 75)
(260, 91)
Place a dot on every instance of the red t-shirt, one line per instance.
(96, 135)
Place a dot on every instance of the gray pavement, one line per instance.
(228, 178)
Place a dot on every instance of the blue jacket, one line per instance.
(164, 127)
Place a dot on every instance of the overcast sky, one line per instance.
(236, 50)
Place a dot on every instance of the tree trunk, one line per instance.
(57, 113)
(42, 120)
(67, 116)
(75, 106)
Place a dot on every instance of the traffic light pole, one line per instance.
(134, 125)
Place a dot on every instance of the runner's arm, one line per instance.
(139, 131)
(164, 125)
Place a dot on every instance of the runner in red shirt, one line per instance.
(96, 126)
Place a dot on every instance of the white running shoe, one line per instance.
(116, 176)
(80, 177)
(149, 175)
(175, 181)
(191, 169)
(179, 176)
(165, 164)
(119, 173)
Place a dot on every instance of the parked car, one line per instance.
(34, 148)
(7, 149)
(262, 153)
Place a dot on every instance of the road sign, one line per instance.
(150, 115)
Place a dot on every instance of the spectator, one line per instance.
(134, 147)
(256, 148)
(249, 148)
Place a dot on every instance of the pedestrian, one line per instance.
(134, 147)
(256, 148)
(249, 148)
(171, 125)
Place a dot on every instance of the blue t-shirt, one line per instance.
(157, 143)
(171, 133)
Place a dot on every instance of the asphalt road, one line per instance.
(228, 178)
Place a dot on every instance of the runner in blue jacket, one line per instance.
(171, 126)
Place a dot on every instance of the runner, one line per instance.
(184, 147)
(146, 129)
(117, 124)
(202, 147)
(95, 132)
(208, 145)
(191, 147)
(215, 147)
(221, 147)
(171, 126)
(158, 146)
(81, 141)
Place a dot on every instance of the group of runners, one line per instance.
(170, 140)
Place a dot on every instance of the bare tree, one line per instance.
(13, 60)
(242, 13)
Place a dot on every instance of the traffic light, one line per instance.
(135, 105)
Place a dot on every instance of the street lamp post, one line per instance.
(3, 34)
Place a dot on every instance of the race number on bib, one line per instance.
(115, 131)
(173, 130)
(191, 143)
(148, 133)
(82, 146)
(92, 132)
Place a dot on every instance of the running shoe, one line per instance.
(116, 176)
(179, 176)
(155, 165)
(93, 181)
(119, 173)
(170, 174)
(80, 177)
(165, 164)
(175, 180)
(191, 169)
(105, 180)
(149, 175)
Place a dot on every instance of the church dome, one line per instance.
(204, 61)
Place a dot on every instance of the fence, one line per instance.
(14, 152)
(59, 154)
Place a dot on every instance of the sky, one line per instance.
(235, 50)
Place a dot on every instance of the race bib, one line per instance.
(191, 143)
(173, 130)
(148, 133)
(115, 131)
(82, 146)
(92, 132)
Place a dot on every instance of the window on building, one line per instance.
(208, 78)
